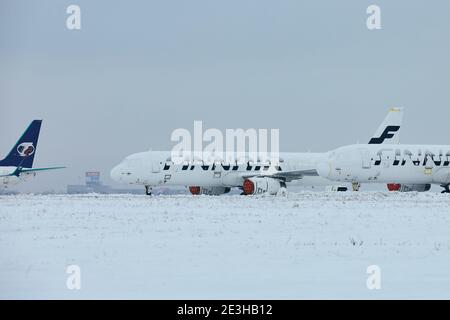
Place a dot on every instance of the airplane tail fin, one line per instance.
(22, 154)
(389, 130)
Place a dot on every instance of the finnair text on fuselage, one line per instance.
(387, 164)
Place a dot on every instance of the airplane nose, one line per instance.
(115, 173)
(324, 169)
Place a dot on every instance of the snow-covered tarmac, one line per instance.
(304, 245)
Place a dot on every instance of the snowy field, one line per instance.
(303, 245)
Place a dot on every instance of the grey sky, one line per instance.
(139, 69)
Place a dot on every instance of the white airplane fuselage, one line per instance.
(12, 179)
(154, 168)
(418, 164)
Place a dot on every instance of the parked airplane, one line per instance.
(18, 164)
(416, 167)
(155, 168)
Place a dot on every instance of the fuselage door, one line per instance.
(365, 158)
(217, 170)
(156, 167)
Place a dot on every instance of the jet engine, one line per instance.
(408, 187)
(261, 185)
(212, 191)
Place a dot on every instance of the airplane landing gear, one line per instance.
(446, 188)
(356, 186)
(148, 190)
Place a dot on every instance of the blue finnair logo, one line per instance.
(25, 149)
(388, 133)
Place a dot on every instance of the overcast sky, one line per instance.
(137, 70)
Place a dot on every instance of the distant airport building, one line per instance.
(93, 179)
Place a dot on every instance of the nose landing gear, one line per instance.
(446, 188)
(148, 190)
(356, 186)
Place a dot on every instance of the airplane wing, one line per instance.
(287, 176)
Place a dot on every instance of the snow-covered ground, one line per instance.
(304, 245)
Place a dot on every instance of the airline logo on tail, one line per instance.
(388, 133)
(25, 149)
(22, 154)
(389, 130)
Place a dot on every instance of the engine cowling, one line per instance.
(415, 187)
(195, 190)
(409, 187)
(212, 191)
(394, 186)
(257, 185)
(215, 191)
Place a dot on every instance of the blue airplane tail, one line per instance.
(22, 154)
